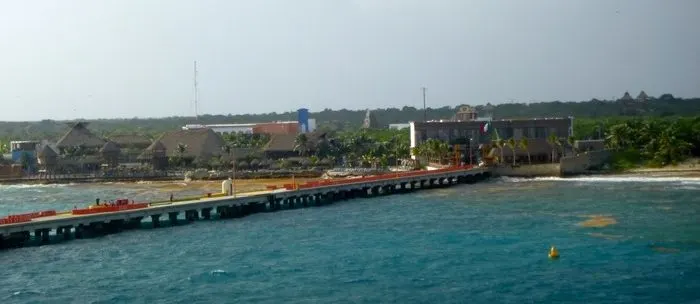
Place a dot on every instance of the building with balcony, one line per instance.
(468, 133)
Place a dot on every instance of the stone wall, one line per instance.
(10, 171)
(527, 170)
(584, 162)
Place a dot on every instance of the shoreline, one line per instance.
(261, 183)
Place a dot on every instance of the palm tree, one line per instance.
(4, 147)
(301, 144)
(254, 164)
(512, 144)
(419, 151)
(500, 143)
(571, 141)
(671, 149)
(619, 136)
(524, 144)
(442, 150)
(227, 150)
(401, 150)
(181, 149)
(553, 141)
(322, 148)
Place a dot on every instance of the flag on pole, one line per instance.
(485, 127)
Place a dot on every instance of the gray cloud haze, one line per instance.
(126, 58)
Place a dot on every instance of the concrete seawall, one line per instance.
(583, 163)
(538, 170)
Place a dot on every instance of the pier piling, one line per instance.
(320, 194)
(155, 219)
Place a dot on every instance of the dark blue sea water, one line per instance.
(482, 243)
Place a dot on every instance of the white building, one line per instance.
(224, 128)
(399, 126)
(312, 124)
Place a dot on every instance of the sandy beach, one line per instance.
(242, 185)
(688, 168)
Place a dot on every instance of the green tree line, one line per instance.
(653, 142)
(663, 106)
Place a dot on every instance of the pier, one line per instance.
(74, 225)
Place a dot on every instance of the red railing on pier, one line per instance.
(321, 183)
(123, 204)
(108, 208)
(25, 217)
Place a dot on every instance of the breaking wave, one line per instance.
(609, 179)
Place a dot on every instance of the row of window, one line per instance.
(505, 133)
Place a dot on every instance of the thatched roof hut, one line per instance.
(47, 156)
(110, 147)
(282, 145)
(155, 150)
(110, 153)
(642, 97)
(46, 151)
(627, 97)
(79, 135)
(130, 141)
(199, 143)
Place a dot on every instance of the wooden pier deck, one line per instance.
(67, 225)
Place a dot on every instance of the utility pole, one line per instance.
(425, 112)
(196, 113)
(470, 151)
(235, 167)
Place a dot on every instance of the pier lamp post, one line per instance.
(228, 149)
(470, 151)
(235, 167)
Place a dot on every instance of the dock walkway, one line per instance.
(67, 225)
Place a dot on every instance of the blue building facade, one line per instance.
(303, 119)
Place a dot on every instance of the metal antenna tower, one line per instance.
(196, 112)
(425, 111)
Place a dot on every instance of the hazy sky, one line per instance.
(66, 59)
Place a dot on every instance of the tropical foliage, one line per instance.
(246, 140)
(654, 142)
(433, 150)
(665, 105)
(365, 147)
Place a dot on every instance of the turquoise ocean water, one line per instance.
(481, 243)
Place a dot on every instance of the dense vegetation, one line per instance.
(654, 142)
(377, 148)
(363, 148)
(664, 106)
(664, 130)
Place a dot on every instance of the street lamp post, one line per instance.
(233, 182)
(470, 151)
(425, 111)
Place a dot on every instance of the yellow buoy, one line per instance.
(553, 253)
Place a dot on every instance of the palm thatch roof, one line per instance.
(287, 142)
(47, 152)
(281, 142)
(126, 140)
(156, 149)
(110, 147)
(199, 143)
(642, 96)
(627, 97)
(79, 135)
(239, 153)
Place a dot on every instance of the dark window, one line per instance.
(540, 132)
